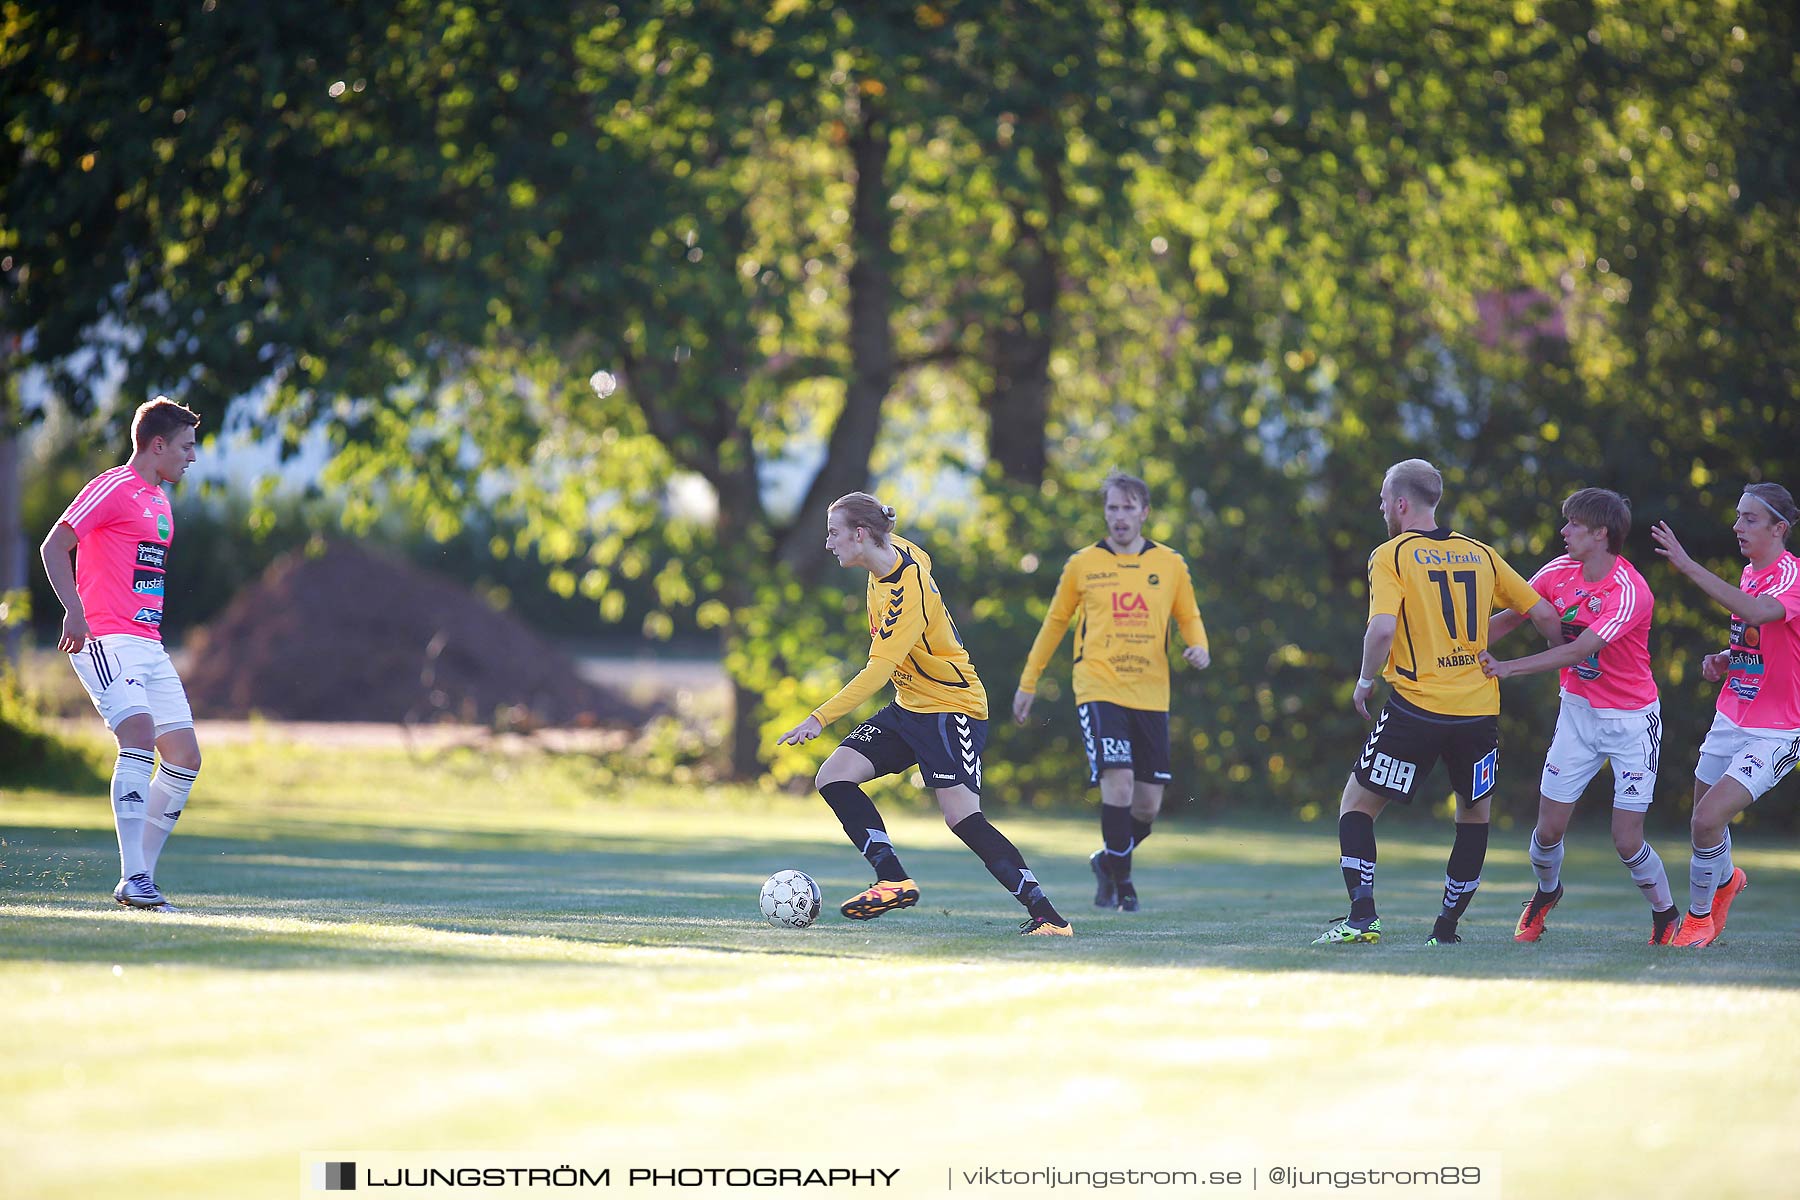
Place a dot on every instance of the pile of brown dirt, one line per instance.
(352, 635)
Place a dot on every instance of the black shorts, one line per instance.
(1408, 742)
(1117, 738)
(947, 746)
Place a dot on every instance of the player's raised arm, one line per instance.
(1755, 610)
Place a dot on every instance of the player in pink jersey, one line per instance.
(1610, 709)
(1755, 738)
(119, 528)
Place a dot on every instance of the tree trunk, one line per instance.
(1018, 399)
(846, 466)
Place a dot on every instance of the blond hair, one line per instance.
(863, 511)
(1418, 479)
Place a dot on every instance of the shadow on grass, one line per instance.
(325, 896)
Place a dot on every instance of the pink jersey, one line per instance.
(123, 525)
(1617, 676)
(1762, 690)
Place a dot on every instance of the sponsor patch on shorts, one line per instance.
(1486, 772)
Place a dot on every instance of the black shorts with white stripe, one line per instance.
(946, 746)
(1408, 741)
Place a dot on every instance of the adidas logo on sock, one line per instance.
(131, 798)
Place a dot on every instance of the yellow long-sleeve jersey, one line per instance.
(1441, 587)
(913, 642)
(1125, 603)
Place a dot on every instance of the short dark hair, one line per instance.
(1598, 508)
(160, 418)
(1131, 485)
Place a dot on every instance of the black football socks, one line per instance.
(1115, 836)
(1005, 863)
(1356, 855)
(1462, 875)
(862, 824)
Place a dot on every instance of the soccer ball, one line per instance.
(790, 898)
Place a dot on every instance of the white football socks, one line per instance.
(1546, 863)
(130, 783)
(167, 797)
(1647, 871)
(1709, 867)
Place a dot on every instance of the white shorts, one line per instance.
(1585, 740)
(1756, 758)
(125, 675)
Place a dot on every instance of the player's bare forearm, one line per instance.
(1378, 640)
(1755, 610)
(1565, 655)
(59, 567)
(1503, 623)
(1544, 619)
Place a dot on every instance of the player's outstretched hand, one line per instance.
(75, 633)
(1669, 546)
(1715, 667)
(1022, 706)
(1197, 657)
(805, 731)
(1492, 667)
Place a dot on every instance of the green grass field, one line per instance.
(501, 953)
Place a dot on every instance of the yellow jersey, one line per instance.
(1441, 587)
(1121, 605)
(914, 643)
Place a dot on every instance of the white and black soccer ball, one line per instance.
(790, 898)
